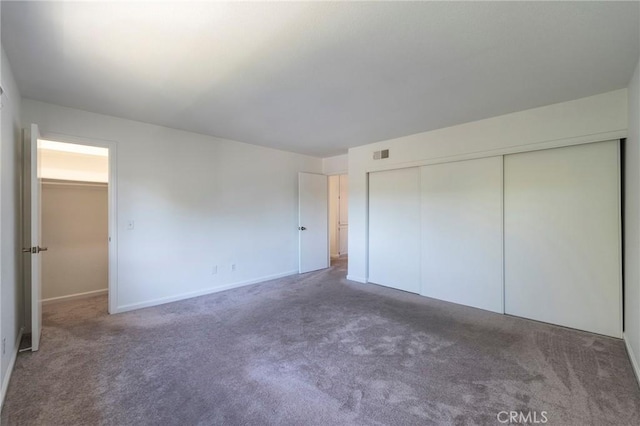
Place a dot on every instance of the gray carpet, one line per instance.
(314, 349)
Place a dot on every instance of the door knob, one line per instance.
(302, 228)
(34, 250)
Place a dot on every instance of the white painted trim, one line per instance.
(183, 296)
(76, 296)
(113, 205)
(328, 221)
(632, 358)
(9, 372)
(504, 288)
(48, 182)
(357, 279)
(113, 227)
(537, 146)
(620, 239)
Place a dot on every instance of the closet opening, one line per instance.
(74, 216)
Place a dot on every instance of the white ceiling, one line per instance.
(317, 78)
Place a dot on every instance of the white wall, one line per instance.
(600, 117)
(75, 229)
(335, 165)
(632, 225)
(10, 255)
(196, 201)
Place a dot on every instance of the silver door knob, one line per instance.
(34, 250)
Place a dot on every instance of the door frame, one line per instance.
(112, 189)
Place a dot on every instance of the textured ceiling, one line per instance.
(317, 78)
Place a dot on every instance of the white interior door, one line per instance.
(394, 229)
(462, 232)
(562, 237)
(313, 224)
(33, 227)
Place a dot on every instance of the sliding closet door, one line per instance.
(394, 229)
(462, 232)
(562, 237)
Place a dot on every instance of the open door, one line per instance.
(313, 225)
(32, 227)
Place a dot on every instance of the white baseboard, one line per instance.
(632, 357)
(9, 372)
(183, 296)
(74, 296)
(358, 279)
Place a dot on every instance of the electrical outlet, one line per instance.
(214, 270)
(233, 267)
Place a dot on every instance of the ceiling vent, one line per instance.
(379, 155)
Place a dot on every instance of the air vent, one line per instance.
(379, 155)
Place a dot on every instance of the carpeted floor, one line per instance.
(314, 349)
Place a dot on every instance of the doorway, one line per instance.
(75, 185)
(323, 221)
(338, 217)
(73, 216)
